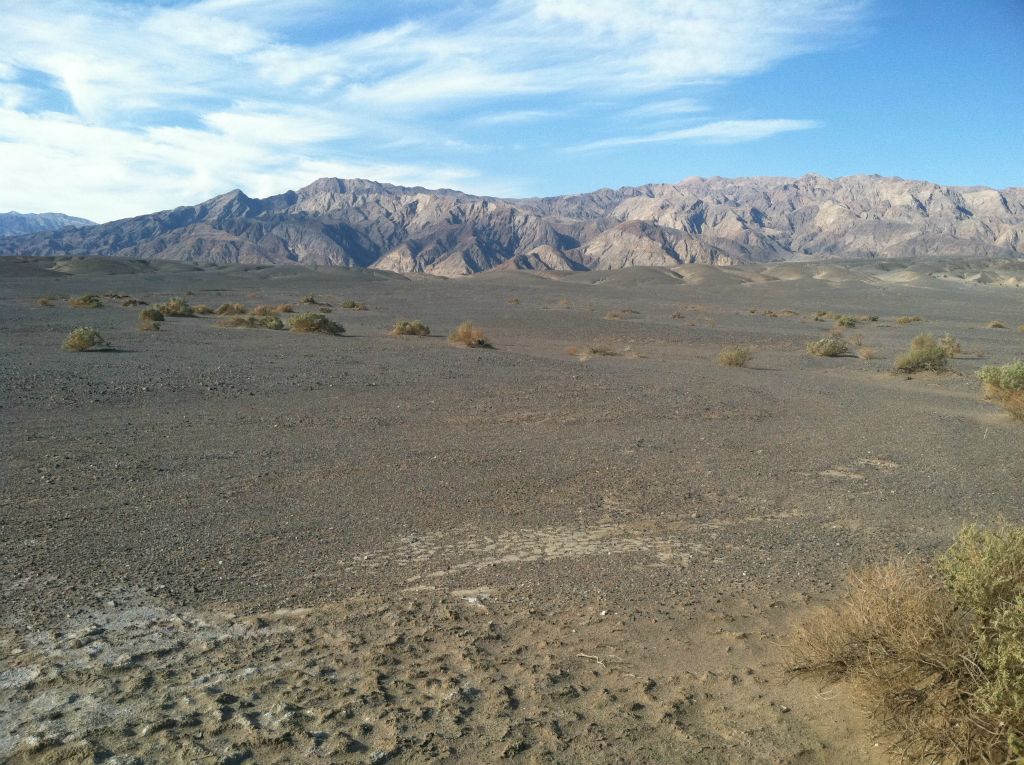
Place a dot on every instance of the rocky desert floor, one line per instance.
(242, 545)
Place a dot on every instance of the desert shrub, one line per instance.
(352, 305)
(308, 299)
(513, 301)
(283, 308)
(315, 322)
(1005, 386)
(470, 336)
(995, 325)
(150, 314)
(230, 309)
(148, 325)
(263, 310)
(202, 310)
(86, 301)
(176, 306)
(83, 339)
(415, 327)
(924, 354)
(950, 345)
(132, 302)
(907, 319)
(252, 322)
(936, 649)
(828, 346)
(867, 353)
(846, 321)
(735, 356)
(45, 302)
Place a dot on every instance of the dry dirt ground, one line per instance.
(237, 545)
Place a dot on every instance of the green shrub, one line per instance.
(907, 319)
(1005, 386)
(252, 322)
(735, 356)
(176, 306)
(352, 305)
(828, 346)
(83, 339)
(86, 301)
(315, 322)
(468, 335)
(846, 321)
(935, 649)
(308, 299)
(415, 327)
(925, 354)
(150, 314)
(230, 309)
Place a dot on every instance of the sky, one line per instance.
(111, 108)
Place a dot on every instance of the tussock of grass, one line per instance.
(45, 302)
(950, 345)
(176, 307)
(470, 336)
(202, 310)
(352, 305)
(132, 302)
(83, 339)
(935, 649)
(1005, 386)
(846, 321)
(907, 319)
(625, 313)
(415, 327)
(264, 310)
(925, 354)
(230, 309)
(284, 308)
(86, 301)
(308, 299)
(735, 356)
(995, 325)
(828, 346)
(150, 314)
(867, 353)
(513, 301)
(315, 322)
(252, 322)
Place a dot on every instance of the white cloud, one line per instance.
(200, 95)
(724, 131)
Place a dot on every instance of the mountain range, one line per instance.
(445, 232)
(15, 223)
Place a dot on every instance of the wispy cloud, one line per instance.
(152, 104)
(724, 131)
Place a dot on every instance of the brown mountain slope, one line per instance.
(700, 220)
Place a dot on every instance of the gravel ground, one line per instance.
(417, 548)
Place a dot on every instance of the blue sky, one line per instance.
(112, 108)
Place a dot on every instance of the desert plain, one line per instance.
(590, 543)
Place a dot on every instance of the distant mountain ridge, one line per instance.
(446, 232)
(15, 223)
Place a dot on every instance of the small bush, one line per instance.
(45, 302)
(252, 322)
(308, 299)
(513, 301)
(907, 319)
(284, 308)
(828, 346)
(176, 307)
(846, 321)
(352, 305)
(925, 354)
(468, 335)
(132, 302)
(936, 649)
(230, 309)
(263, 310)
(202, 310)
(315, 322)
(415, 327)
(867, 353)
(950, 345)
(995, 325)
(86, 301)
(150, 314)
(1005, 386)
(83, 339)
(735, 356)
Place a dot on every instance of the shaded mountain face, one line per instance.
(15, 224)
(700, 220)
